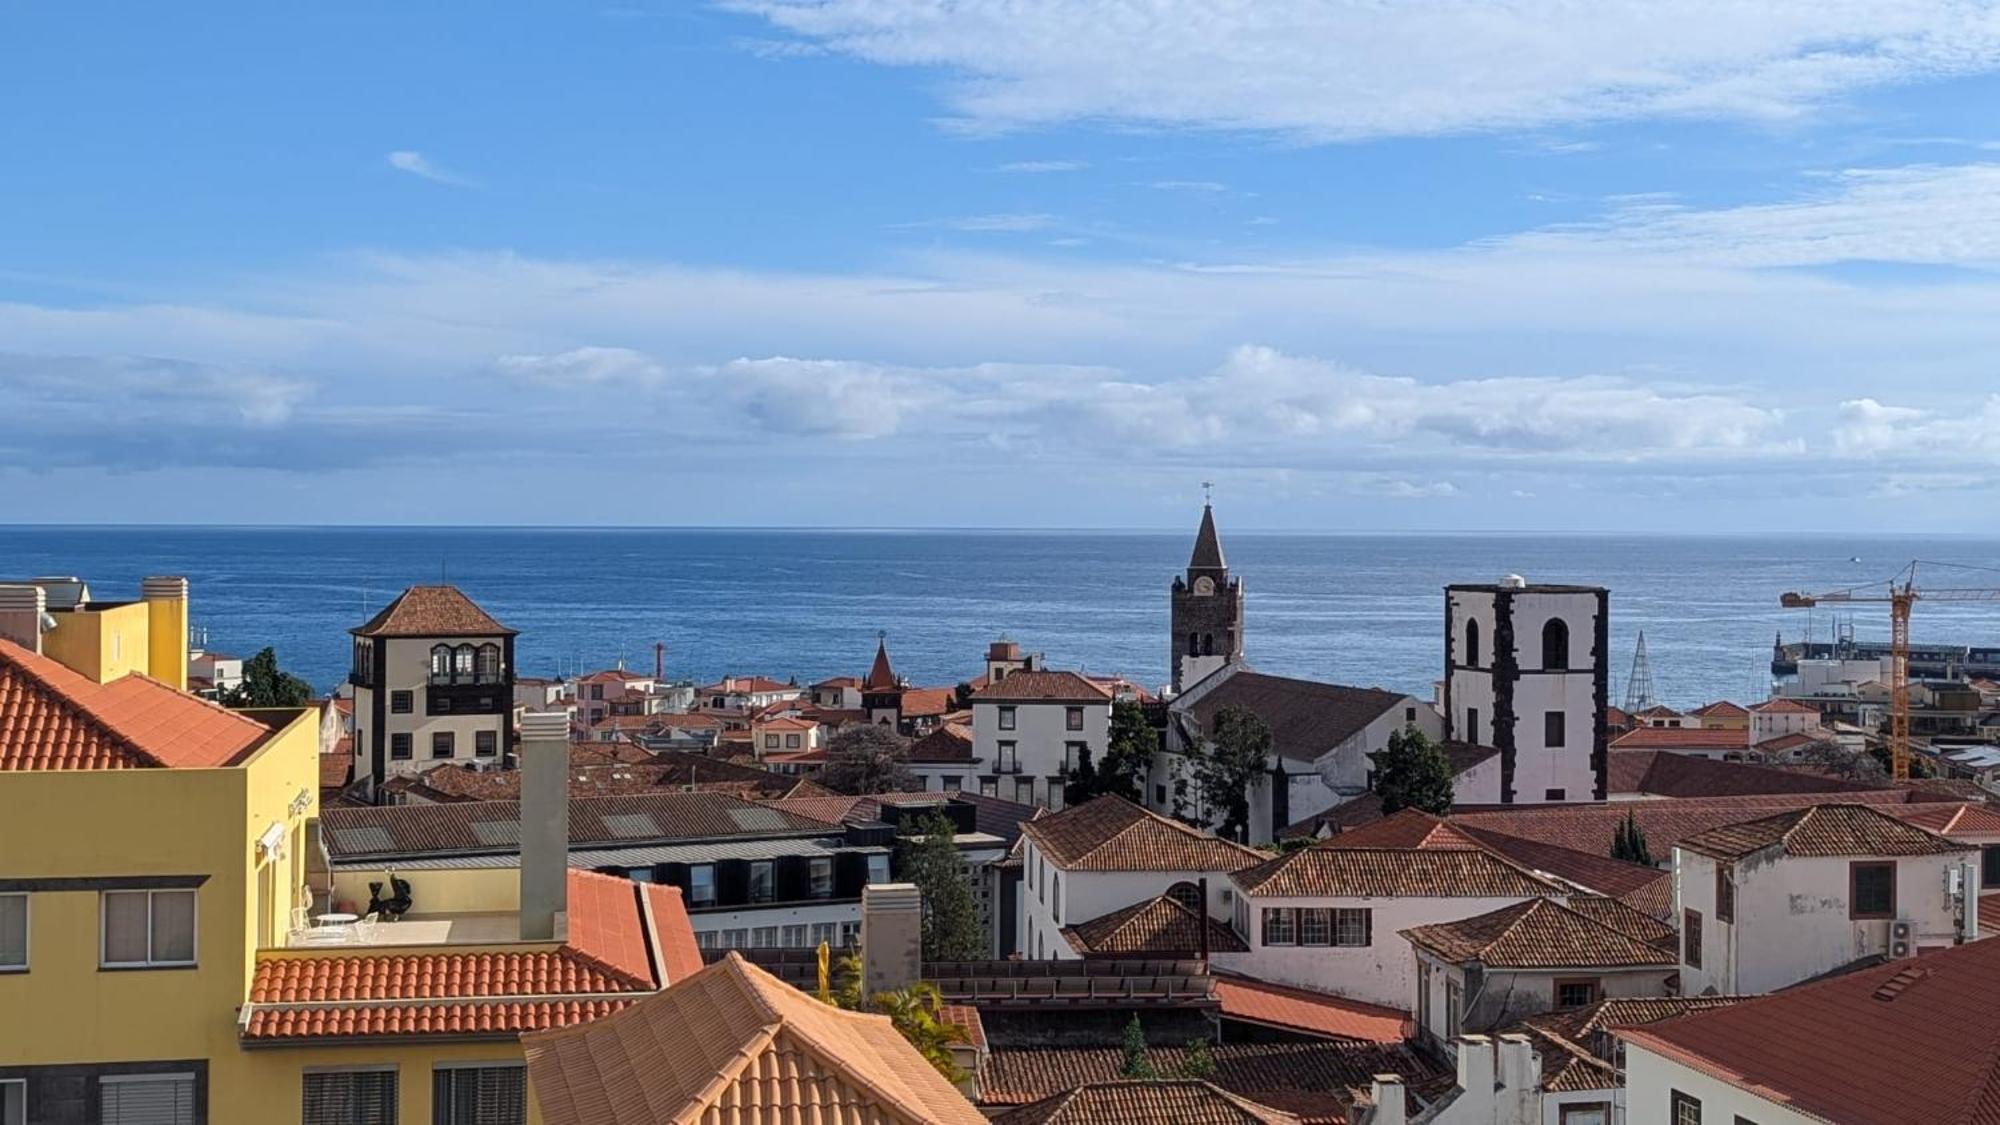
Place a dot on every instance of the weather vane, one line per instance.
(1208, 492)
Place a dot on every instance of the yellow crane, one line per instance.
(1899, 593)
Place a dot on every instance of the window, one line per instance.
(1009, 761)
(1055, 897)
(1006, 718)
(489, 663)
(794, 937)
(822, 932)
(400, 703)
(399, 746)
(597, 694)
(1555, 645)
(1691, 938)
(1315, 927)
(1555, 794)
(1684, 1110)
(442, 743)
(770, 742)
(1353, 927)
(350, 1097)
(701, 884)
(1409, 714)
(1472, 724)
(147, 928)
(486, 743)
(440, 662)
(146, 1099)
(1072, 718)
(736, 939)
(1454, 1007)
(13, 1102)
(1872, 890)
(1160, 794)
(1725, 894)
(481, 1094)
(1074, 754)
(461, 663)
(1472, 644)
(760, 881)
(1281, 926)
(13, 935)
(1989, 866)
(878, 867)
(763, 937)
(1579, 993)
(989, 787)
(1187, 894)
(950, 783)
(1554, 730)
(819, 876)
(1208, 644)
(791, 742)
(1423, 994)
(1586, 1113)
(1053, 789)
(1024, 790)
(364, 669)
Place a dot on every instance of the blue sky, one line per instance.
(1674, 264)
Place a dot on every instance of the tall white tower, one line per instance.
(1527, 672)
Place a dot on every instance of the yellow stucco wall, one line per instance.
(103, 644)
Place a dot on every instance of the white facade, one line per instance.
(1525, 673)
(1495, 998)
(1499, 1083)
(1793, 917)
(1024, 747)
(1052, 898)
(1652, 1081)
(417, 721)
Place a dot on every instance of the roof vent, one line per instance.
(1514, 582)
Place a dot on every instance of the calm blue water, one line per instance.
(1357, 609)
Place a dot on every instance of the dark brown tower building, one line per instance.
(1207, 611)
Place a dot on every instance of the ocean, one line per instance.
(1357, 609)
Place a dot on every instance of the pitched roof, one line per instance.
(1681, 738)
(1951, 818)
(494, 826)
(432, 611)
(1784, 707)
(1537, 934)
(1626, 918)
(1161, 926)
(1308, 1012)
(951, 742)
(1822, 830)
(1662, 773)
(1207, 553)
(1902, 1043)
(734, 1042)
(1720, 709)
(1042, 686)
(1570, 1041)
(602, 770)
(1406, 828)
(51, 718)
(1113, 834)
(881, 677)
(747, 685)
(604, 963)
(1408, 854)
(1307, 718)
(1590, 827)
(1595, 872)
(925, 702)
(1181, 1101)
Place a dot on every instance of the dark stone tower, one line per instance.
(1207, 611)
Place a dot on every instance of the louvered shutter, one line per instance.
(350, 1097)
(479, 1095)
(166, 1099)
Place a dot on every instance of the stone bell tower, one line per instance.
(1207, 614)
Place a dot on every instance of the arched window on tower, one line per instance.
(1194, 644)
(1187, 894)
(1208, 644)
(1472, 644)
(489, 664)
(440, 662)
(461, 664)
(1555, 645)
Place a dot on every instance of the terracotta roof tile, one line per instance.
(1312, 1013)
(1662, 773)
(1042, 687)
(1306, 718)
(492, 826)
(1590, 827)
(1598, 873)
(965, 1017)
(1721, 709)
(736, 1042)
(51, 718)
(432, 611)
(747, 685)
(680, 954)
(1626, 918)
(1822, 830)
(1682, 738)
(1784, 707)
(1408, 828)
(920, 703)
(503, 1019)
(1537, 934)
(1311, 1079)
(1319, 872)
(1113, 834)
(951, 742)
(1575, 1052)
(1156, 926)
(1175, 1101)
(1951, 818)
(1909, 1042)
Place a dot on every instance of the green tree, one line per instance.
(1231, 759)
(931, 860)
(1128, 758)
(918, 1013)
(1629, 842)
(961, 695)
(267, 685)
(1136, 1064)
(865, 759)
(1412, 772)
(1200, 1061)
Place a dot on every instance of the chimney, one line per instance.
(1520, 1073)
(659, 662)
(166, 598)
(21, 611)
(1475, 1067)
(544, 823)
(892, 937)
(1386, 1091)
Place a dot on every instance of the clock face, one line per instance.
(1204, 586)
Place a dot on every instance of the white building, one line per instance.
(943, 760)
(1769, 903)
(1330, 917)
(1527, 672)
(1108, 854)
(1030, 727)
(1321, 737)
(433, 678)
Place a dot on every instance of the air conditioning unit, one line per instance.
(1902, 939)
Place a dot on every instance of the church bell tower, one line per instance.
(1207, 630)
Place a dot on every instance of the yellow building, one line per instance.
(103, 639)
(162, 958)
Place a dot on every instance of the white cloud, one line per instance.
(1870, 429)
(417, 164)
(1326, 71)
(583, 367)
(1036, 167)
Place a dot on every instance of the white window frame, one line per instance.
(1008, 718)
(1349, 914)
(188, 1076)
(27, 936)
(104, 929)
(23, 1084)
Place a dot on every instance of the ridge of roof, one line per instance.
(1539, 933)
(1830, 829)
(432, 611)
(1086, 836)
(1042, 685)
(56, 718)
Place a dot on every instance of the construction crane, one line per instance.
(1899, 593)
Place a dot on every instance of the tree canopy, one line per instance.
(1412, 772)
(1227, 766)
(951, 916)
(1629, 842)
(864, 759)
(266, 685)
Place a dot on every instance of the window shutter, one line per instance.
(166, 1100)
(479, 1095)
(350, 1097)
(13, 930)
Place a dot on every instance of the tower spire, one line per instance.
(881, 676)
(1207, 544)
(1639, 685)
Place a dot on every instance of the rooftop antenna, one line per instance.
(1639, 685)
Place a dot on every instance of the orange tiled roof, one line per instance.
(1310, 1078)
(1042, 687)
(1320, 872)
(1161, 926)
(1590, 827)
(1537, 934)
(1314, 1013)
(1951, 818)
(1408, 828)
(680, 955)
(951, 742)
(1822, 830)
(1182, 1101)
(1721, 708)
(1113, 834)
(505, 1019)
(734, 1043)
(432, 611)
(1682, 738)
(1784, 707)
(1568, 1040)
(924, 702)
(51, 718)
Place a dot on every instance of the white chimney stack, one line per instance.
(544, 824)
(1386, 1091)
(892, 937)
(22, 609)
